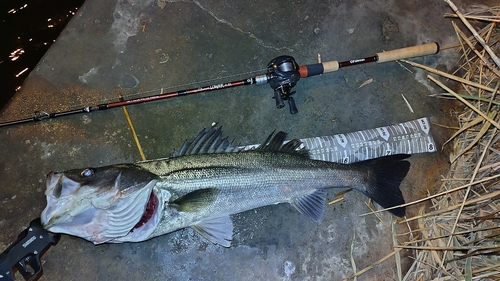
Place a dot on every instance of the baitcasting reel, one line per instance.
(283, 74)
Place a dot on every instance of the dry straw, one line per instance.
(459, 236)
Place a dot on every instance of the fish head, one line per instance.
(97, 204)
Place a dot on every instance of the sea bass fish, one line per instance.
(203, 184)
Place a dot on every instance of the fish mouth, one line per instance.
(50, 217)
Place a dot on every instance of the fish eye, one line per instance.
(87, 172)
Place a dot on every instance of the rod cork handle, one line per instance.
(331, 66)
(409, 52)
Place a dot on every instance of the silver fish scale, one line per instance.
(246, 180)
(248, 169)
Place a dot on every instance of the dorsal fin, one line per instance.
(211, 141)
(207, 141)
(276, 143)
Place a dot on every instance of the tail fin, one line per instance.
(388, 172)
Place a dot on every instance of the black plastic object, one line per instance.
(24, 254)
(283, 74)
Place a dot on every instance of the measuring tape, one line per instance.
(404, 138)
(408, 138)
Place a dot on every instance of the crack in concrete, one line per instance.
(260, 42)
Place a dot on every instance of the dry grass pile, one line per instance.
(459, 236)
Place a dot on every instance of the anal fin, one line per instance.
(216, 230)
(312, 205)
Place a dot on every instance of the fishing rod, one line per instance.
(283, 73)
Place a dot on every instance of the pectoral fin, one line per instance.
(196, 200)
(216, 230)
(312, 205)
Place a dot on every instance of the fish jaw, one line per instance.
(97, 214)
(60, 207)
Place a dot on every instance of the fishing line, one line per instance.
(282, 75)
(162, 90)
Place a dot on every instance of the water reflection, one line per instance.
(28, 29)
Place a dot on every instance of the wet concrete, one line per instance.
(133, 48)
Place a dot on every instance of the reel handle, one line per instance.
(279, 100)
(291, 104)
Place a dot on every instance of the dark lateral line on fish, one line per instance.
(194, 169)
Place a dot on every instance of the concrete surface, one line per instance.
(112, 45)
